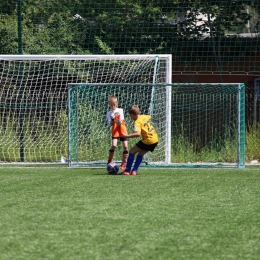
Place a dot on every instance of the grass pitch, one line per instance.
(62, 213)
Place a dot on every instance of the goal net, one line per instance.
(34, 98)
(208, 125)
(199, 125)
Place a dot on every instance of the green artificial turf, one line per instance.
(62, 213)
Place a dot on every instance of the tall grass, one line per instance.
(43, 141)
(253, 142)
(216, 149)
(47, 141)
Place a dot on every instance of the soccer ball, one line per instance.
(112, 168)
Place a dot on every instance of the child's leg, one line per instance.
(110, 156)
(112, 151)
(124, 160)
(131, 157)
(138, 161)
(129, 163)
(124, 155)
(142, 150)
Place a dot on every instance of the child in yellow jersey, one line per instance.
(115, 118)
(142, 127)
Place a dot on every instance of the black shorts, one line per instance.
(120, 138)
(146, 147)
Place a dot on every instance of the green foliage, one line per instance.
(8, 34)
(71, 27)
(92, 138)
(9, 140)
(45, 141)
(218, 149)
(104, 49)
(253, 143)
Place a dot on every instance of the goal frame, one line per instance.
(240, 163)
(240, 118)
(168, 89)
(166, 79)
(102, 58)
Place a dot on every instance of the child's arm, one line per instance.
(117, 120)
(110, 117)
(119, 116)
(133, 135)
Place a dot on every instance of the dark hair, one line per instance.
(134, 110)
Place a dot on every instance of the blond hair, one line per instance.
(134, 110)
(112, 99)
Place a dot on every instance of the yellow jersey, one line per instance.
(144, 125)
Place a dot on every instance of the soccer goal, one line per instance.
(199, 125)
(34, 99)
(53, 107)
(208, 125)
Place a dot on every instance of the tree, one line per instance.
(122, 26)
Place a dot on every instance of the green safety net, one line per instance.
(203, 36)
(211, 41)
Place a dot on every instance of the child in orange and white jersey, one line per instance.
(115, 118)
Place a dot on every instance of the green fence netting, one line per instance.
(211, 41)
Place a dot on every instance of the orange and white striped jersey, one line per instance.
(117, 112)
(117, 130)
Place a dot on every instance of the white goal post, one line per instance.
(34, 98)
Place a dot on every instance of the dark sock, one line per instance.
(130, 161)
(138, 161)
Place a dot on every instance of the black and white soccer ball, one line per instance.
(112, 168)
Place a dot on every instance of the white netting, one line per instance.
(33, 97)
(89, 135)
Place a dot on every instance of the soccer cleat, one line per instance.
(133, 173)
(124, 160)
(123, 165)
(124, 173)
